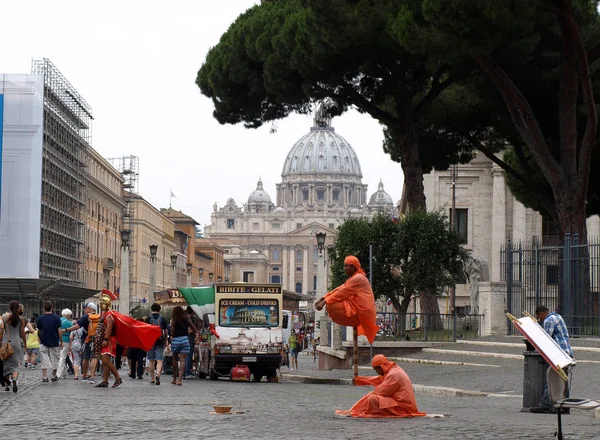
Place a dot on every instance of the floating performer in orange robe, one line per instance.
(352, 304)
(393, 395)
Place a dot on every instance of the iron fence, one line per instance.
(424, 327)
(565, 276)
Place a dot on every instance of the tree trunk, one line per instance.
(430, 309)
(401, 308)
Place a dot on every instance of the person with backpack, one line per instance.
(84, 323)
(157, 353)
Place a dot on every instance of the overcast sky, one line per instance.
(135, 63)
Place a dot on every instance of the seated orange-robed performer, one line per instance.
(352, 304)
(393, 395)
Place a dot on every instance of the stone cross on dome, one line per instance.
(322, 118)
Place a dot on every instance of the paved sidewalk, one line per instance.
(449, 376)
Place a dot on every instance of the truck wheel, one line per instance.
(213, 375)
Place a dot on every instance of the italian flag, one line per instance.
(201, 300)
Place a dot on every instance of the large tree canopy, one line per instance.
(283, 56)
(537, 97)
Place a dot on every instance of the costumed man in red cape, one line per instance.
(115, 327)
(393, 395)
(352, 304)
(105, 343)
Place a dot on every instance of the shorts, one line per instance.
(180, 344)
(111, 347)
(34, 351)
(294, 353)
(87, 351)
(50, 357)
(157, 353)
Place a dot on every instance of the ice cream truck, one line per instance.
(247, 325)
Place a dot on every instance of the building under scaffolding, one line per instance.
(67, 132)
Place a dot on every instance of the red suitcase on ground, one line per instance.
(240, 372)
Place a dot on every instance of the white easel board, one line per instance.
(544, 344)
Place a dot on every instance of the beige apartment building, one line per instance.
(104, 219)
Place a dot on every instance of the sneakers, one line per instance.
(54, 379)
(157, 380)
(45, 380)
(14, 385)
(91, 381)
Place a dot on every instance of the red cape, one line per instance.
(132, 333)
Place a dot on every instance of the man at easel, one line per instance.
(352, 304)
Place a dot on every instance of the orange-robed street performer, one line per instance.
(393, 395)
(352, 304)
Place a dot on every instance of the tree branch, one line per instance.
(491, 156)
(360, 101)
(436, 89)
(522, 117)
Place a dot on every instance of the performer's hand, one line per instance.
(104, 343)
(320, 304)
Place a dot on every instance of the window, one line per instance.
(275, 268)
(275, 225)
(315, 283)
(305, 195)
(320, 194)
(230, 223)
(336, 195)
(298, 269)
(461, 226)
(331, 226)
(255, 226)
(298, 287)
(298, 256)
(248, 277)
(276, 255)
(298, 225)
(315, 253)
(276, 279)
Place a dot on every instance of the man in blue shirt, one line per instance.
(50, 341)
(555, 326)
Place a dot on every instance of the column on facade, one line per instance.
(305, 269)
(292, 261)
(519, 215)
(284, 265)
(498, 220)
(311, 194)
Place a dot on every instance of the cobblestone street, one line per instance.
(288, 409)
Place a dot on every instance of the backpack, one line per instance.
(91, 330)
(158, 321)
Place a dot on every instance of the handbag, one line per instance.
(6, 350)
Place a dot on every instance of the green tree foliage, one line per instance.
(534, 90)
(417, 255)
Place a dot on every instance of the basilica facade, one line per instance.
(268, 241)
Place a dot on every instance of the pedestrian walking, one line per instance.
(189, 361)
(157, 353)
(294, 344)
(84, 323)
(77, 344)
(180, 343)
(50, 341)
(555, 326)
(12, 329)
(33, 346)
(65, 323)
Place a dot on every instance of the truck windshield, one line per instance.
(249, 312)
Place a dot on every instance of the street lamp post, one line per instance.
(174, 271)
(153, 249)
(210, 277)
(201, 272)
(124, 288)
(219, 279)
(321, 315)
(189, 274)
